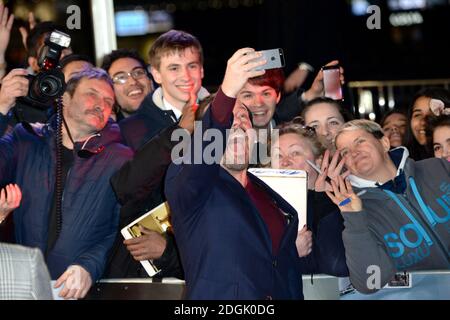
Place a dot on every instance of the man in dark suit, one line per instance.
(236, 236)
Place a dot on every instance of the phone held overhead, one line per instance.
(274, 59)
(332, 82)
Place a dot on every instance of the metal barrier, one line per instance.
(429, 285)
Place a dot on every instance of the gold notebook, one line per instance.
(156, 220)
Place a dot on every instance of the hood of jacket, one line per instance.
(157, 96)
(94, 143)
(400, 153)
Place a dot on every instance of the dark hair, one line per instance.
(109, 59)
(389, 113)
(36, 35)
(172, 41)
(346, 115)
(75, 57)
(89, 73)
(417, 151)
(434, 122)
(273, 78)
(433, 93)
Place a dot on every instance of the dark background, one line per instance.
(315, 31)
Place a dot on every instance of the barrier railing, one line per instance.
(371, 99)
(433, 285)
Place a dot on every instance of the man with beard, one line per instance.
(235, 235)
(132, 82)
(76, 235)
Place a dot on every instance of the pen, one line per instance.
(327, 178)
(348, 200)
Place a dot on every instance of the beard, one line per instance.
(237, 167)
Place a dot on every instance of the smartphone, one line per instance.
(274, 58)
(332, 82)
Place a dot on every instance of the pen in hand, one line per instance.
(348, 200)
(315, 167)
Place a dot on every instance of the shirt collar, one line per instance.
(166, 106)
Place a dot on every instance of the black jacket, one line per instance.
(147, 122)
(138, 186)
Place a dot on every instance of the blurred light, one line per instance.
(391, 100)
(139, 22)
(159, 21)
(405, 19)
(359, 7)
(372, 116)
(406, 4)
(381, 99)
(365, 102)
(21, 12)
(45, 12)
(131, 23)
(391, 104)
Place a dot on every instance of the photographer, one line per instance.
(14, 85)
(42, 44)
(75, 239)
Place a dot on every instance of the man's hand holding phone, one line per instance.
(243, 65)
(318, 87)
(274, 59)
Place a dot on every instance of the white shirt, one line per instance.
(167, 106)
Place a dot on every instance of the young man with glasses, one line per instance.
(132, 82)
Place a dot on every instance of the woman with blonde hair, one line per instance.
(295, 146)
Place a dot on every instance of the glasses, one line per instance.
(122, 77)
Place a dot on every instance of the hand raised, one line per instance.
(317, 87)
(341, 191)
(240, 68)
(10, 198)
(6, 22)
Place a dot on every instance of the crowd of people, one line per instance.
(381, 196)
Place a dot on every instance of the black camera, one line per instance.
(49, 83)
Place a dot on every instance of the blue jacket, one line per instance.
(224, 243)
(90, 209)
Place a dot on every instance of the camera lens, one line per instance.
(50, 86)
